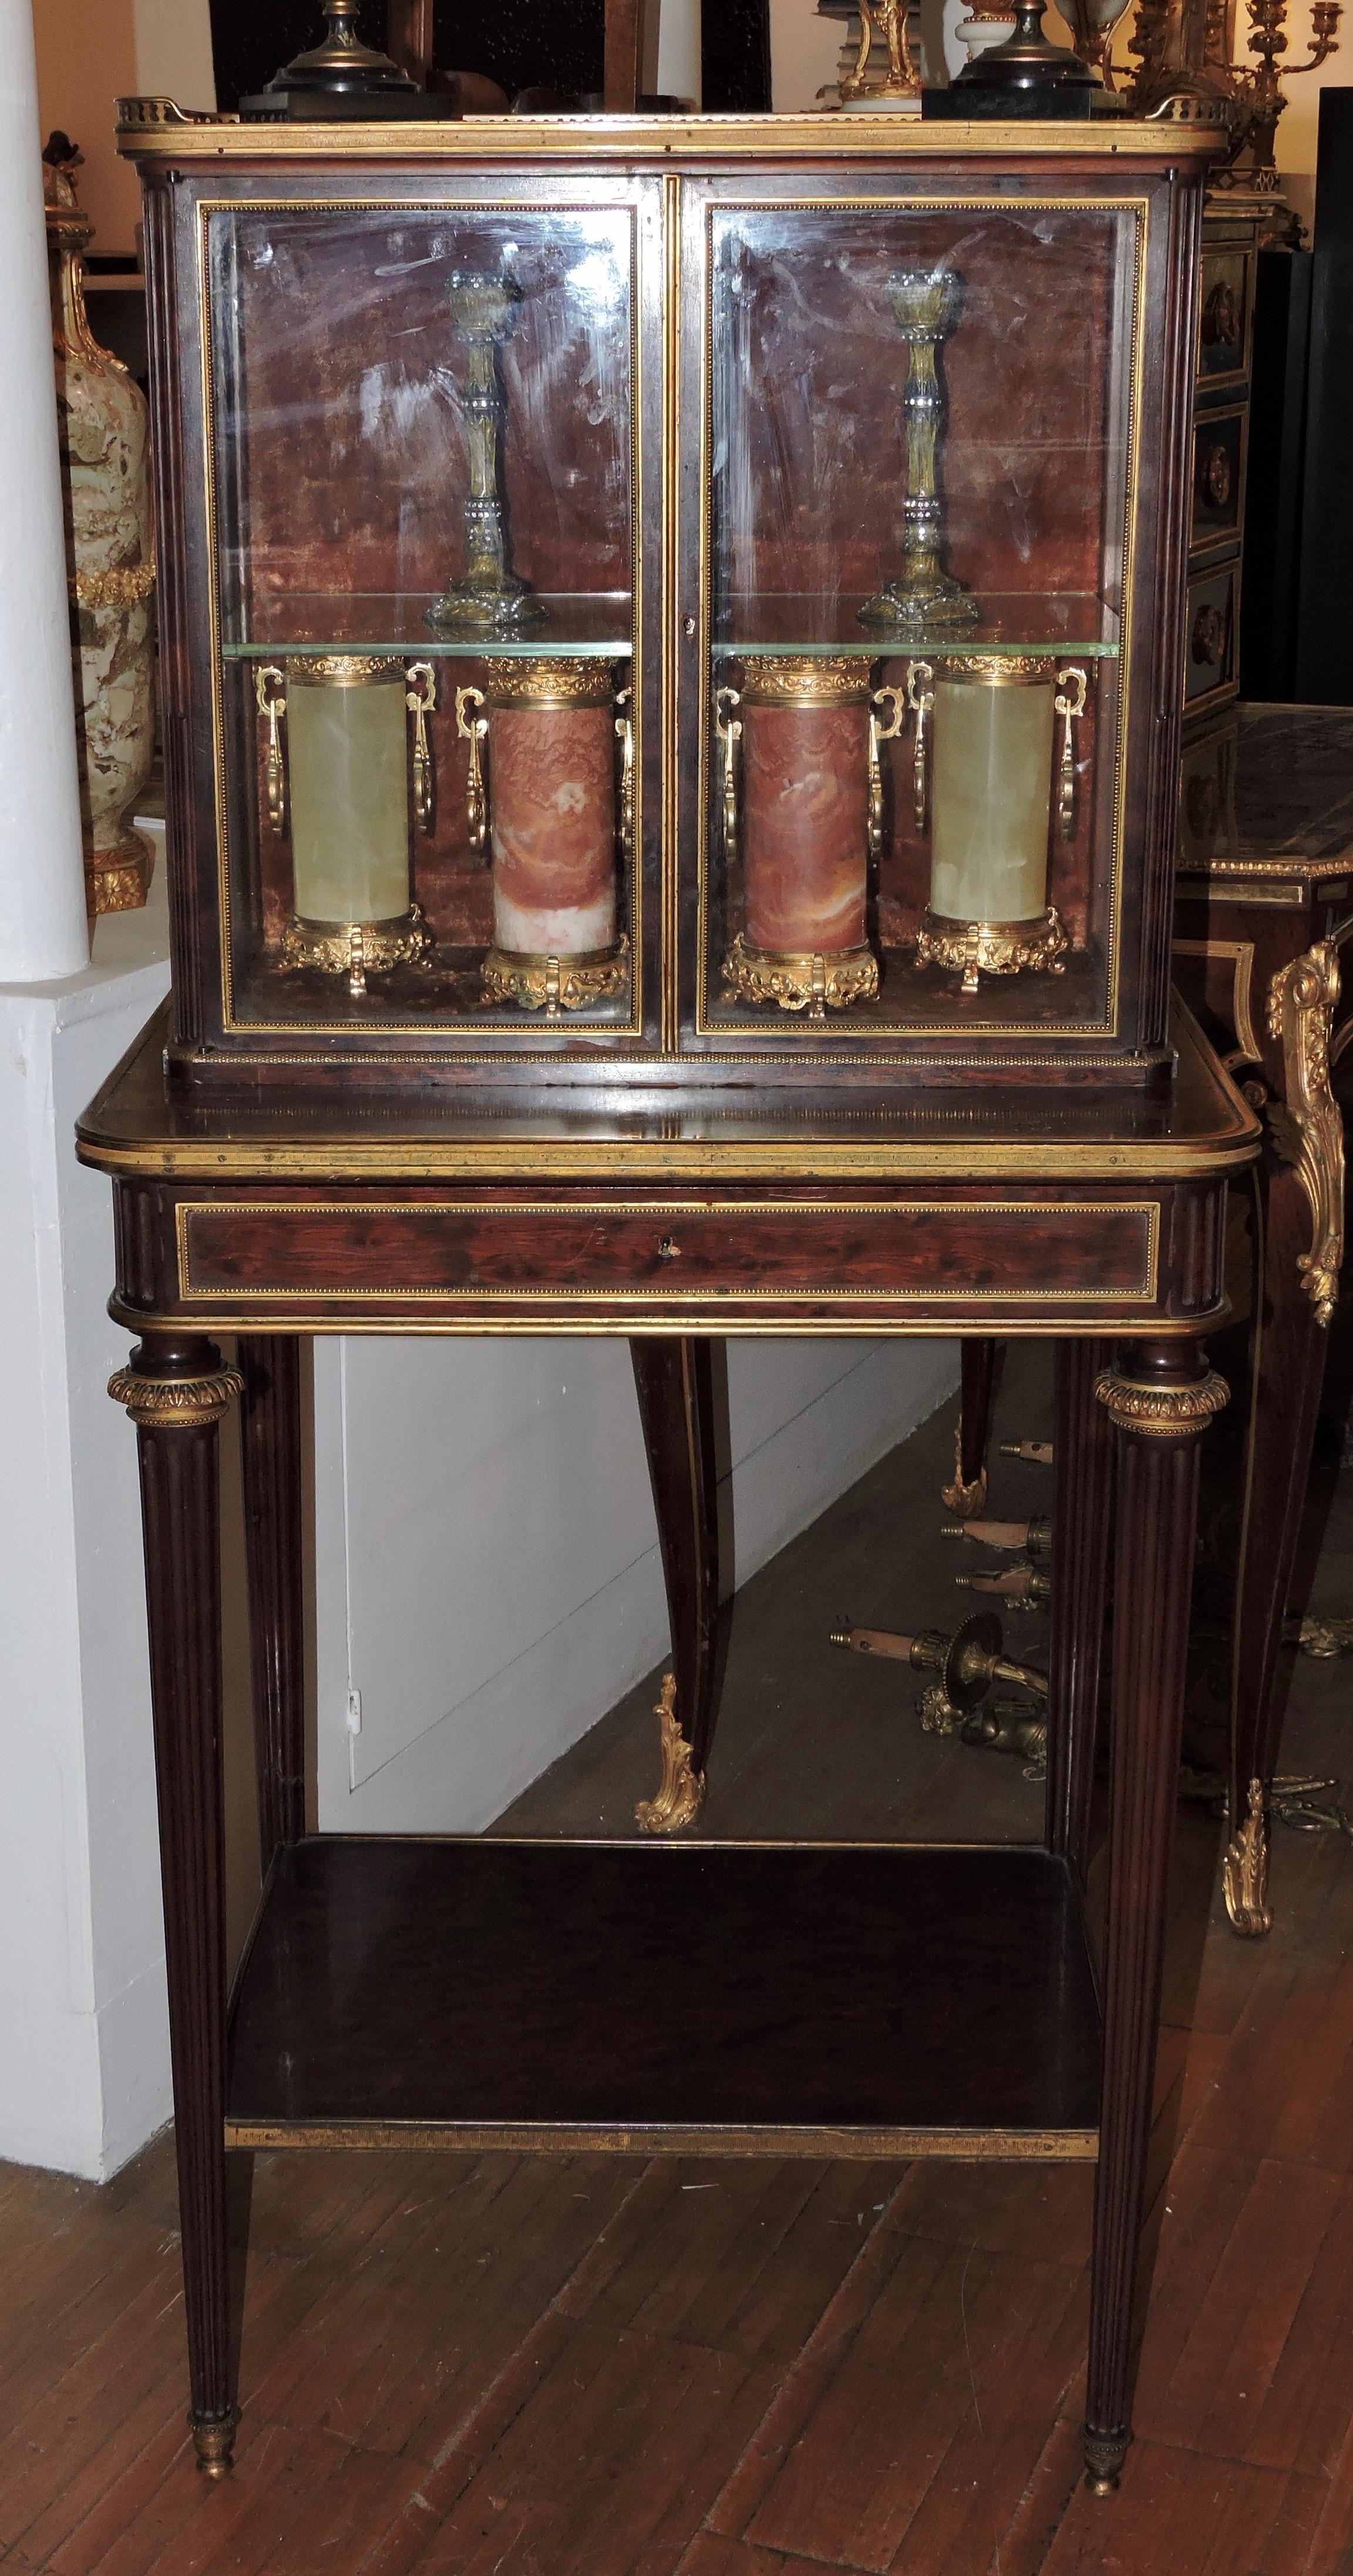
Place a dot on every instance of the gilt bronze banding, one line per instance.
(789, 680)
(1158, 1412)
(345, 670)
(176, 1403)
(997, 670)
(545, 680)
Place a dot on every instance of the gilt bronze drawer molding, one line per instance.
(1244, 1872)
(1162, 1412)
(681, 1790)
(1308, 1129)
(176, 1403)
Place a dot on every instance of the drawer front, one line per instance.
(502, 1259)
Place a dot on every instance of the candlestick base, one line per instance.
(975, 948)
(801, 981)
(469, 608)
(939, 607)
(355, 949)
(554, 984)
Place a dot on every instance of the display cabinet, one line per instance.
(664, 620)
(697, 600)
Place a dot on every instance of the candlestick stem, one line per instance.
(488, 599)
(924, 599)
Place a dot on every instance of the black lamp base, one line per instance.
(1025, 77)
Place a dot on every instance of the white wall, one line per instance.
(84, 2068)
(488, 1573)
(803, 53)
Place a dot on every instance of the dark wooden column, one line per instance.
(408, 36)
(674, 1380)
(624, 49)
(1160, 1403)
(270, 1450)
(968, 1493)
(1083, 1462)
(1299, 1200)
(176, 1390)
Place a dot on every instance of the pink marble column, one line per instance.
(552, 799)
(804, 822)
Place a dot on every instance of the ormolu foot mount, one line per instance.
(1033, 1536)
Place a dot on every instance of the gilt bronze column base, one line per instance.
(554, 984)
(976, 948)
(817, 983)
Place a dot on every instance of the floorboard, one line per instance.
(499, 2365)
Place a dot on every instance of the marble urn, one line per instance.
(104, 433)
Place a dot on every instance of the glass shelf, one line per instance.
(1011, 622)
(395, 622)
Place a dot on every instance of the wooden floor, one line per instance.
(506, 2366)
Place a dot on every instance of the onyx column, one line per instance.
(176, 1390)
(1160, 1404)
(674, 1380)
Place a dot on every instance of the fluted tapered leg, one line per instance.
(1160, 1404)
(270, 1451)
(1083, 1456)
(176, 1391)
(674, 1380)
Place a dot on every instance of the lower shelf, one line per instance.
(839, 1998)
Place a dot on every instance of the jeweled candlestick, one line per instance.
(487, 599)
(924, 599)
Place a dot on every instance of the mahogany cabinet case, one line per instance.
(685, 602)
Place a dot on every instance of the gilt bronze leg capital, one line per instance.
(175, 1385)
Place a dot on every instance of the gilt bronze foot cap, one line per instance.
(214, 2442)
(1104, 2457)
